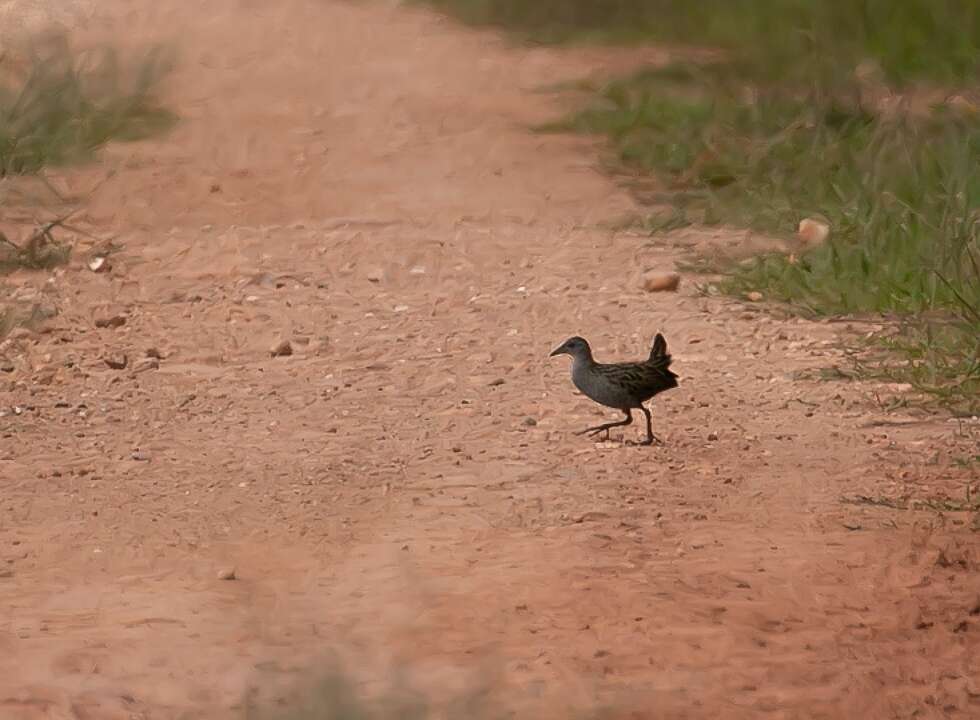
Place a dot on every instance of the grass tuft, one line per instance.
(41, 251)
(937, 39)
(58, 106)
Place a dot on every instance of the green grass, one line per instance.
(40, 251)
(333, 695)
(58, 106)
(909, 39)
(785, 127)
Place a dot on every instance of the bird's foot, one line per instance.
(593, 431)
(648, 441)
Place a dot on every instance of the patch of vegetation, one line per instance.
(909, 39)
(58, 106)
(333, 695)
(39, 252)
(947, 505)
(822, 109)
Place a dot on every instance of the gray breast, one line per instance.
(599, 388)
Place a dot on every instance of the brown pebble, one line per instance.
(116, 362)
(281, 349)
(658, 282)
(111, 322)
(145, 364)
(530, 421)
(813, 232)
(227, 573)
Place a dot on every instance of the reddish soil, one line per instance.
(406, 489)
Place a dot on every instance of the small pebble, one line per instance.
(653, 282)
(116, 362)
(112, 322)
(227, 573)
(530, 421)
(813, 232)
(144, 364)
(281, 349)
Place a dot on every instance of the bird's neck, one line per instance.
(582, 361)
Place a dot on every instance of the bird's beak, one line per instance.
(558, 351)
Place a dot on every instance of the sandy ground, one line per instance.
(405, 489)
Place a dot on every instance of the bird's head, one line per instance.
(575, 346)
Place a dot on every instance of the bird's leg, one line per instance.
(600, 428)
(651, 438)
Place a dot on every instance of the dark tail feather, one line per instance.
(661, 358)
(659, 348)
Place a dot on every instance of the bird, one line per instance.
(624, 386)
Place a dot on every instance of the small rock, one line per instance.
(227, 573)
(281, 349)
(111, 322)
(141, 455)
(497, 382)
(154, 353)
(116, 362)
(375, 275)
(712, 437)
(754, 296)
(654, 282)
(144, 364)
(45, 376)
(530, 421)
(99, 264)
(813, 232)
(6, 366)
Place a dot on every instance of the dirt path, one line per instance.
(406, 488)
